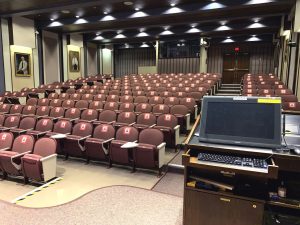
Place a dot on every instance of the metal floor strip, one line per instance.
(38, 189)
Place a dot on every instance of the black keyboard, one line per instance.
(233, 160)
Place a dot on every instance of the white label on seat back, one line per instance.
(161, 107)
(104, 128)
(44, 100)
(57, 109)
(43, 108)
(82, 127)
(168, 117)
(63, 125)
(3, 137)
(127, 115)
(147, 116)
(96, 103)
(24, 139)
(144, 106)
(292, 104)
(90, 112)
(127, 130)
(126, 97)
(126, 105)
(73, 110)
(188, 100)
(45, 122)
(55, 100)
(111, 104)
(12, 119)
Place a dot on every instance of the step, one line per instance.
(229, 91)
(231, 87)
(227, 94)
(175, 168)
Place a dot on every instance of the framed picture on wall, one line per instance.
(22, 64)
(74, 61)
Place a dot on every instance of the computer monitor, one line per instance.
(246, 121)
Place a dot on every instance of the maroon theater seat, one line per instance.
(41, 164)
(27, 123)
(16, 109)
(145, 120)
(107, 116)
(74, 144)
(126, 107)
(10, 122)
(41, 128)
(97, 147)
(55, 103)
(120, 155)
(183, 116)
(291, 106)
(125, 119)
(168, 124)
(151, 150)
(89, 115)
(161, 109)
(10, 161)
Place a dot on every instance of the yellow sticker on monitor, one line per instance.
(269, 101)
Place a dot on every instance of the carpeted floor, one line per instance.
(113, 205)
(171, 183)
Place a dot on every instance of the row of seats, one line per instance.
(27, 157)
(270, 86)
(37, 127)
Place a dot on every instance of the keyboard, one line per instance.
(233, 160)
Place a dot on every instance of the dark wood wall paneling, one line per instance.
(127, 61)
(179, 65)
(261, 57)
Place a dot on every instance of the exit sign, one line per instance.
(237, 49)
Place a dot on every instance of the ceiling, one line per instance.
(114, 21)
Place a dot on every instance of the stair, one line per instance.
(229, 90)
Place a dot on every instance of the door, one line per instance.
(235, 65)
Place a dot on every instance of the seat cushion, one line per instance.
(146, 156)
(8, 153)
(31, 157)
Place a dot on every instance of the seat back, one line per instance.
(126, 99)
(188, 102)
(126, 117)
(57, 112)
(127, 107)
(161, 108)
(108, 116)
(82, 129)
(43, 111)
(171, 101)
(68, 103)
(146, 119)
(293, 106)
(53, 96)
(100, 97)
(111, 106)
(72, 113)
(141, 99)
(127, 133)
(44, 125)
(64, 96)
(89, 114)
(23, 143)
(55, 103)
(16, 109)
(82, 104)
(75, 97)
(97, 105)
(27, 123)
(63, 127)
(179, 110)
(29, 110)
(112, 98)
(32, 101)
(12, 121)
(167, 120)
(289, 98)
(156, 100)
(143, 108)
(4, 108)
(104, 132)
(87, 97)
(151, 136)
(43, 102)
(6, 140)
(45, 147)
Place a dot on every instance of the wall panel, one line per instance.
(261, 56)
(127, 61)
(179, 65)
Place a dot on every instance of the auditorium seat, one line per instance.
(97, 146)
(289, 98)
(191, 104)
(183, 116)
(89, 115)
(82, 104)
(168, 124)
(27, 123)
(72, 114)
(64, 96)
(100, 97)
(170, 101)
(32, 101)
(282, 91)
(120, 155)
(107, 116)
(156, 100)
(125, 119)
(5, 108)
(126, 107)
(143, 108)
(40, 165)
(87, 97)
(75, 97)
(53, 96)
(10, 161)
(69, 103)
(10, 122)
(42, 111)
(160, 109)
(55, 103)
(43, 102)
(74, 144)
(16, 109)
(145, 120)
(41, 128)
(291, 106)
(151, 150)
(97, 105)
(140, 99)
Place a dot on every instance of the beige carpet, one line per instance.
(171, 183)
(116, 205)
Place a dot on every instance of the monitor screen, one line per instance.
(248, 121)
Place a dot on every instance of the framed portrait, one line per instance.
(74, 61)
(23, 64)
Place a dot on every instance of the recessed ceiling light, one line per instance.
(136, 9)
(51, 19)
(172, 4)
(105, 12)
(77, 16)
(128, 3)
(256, 25)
